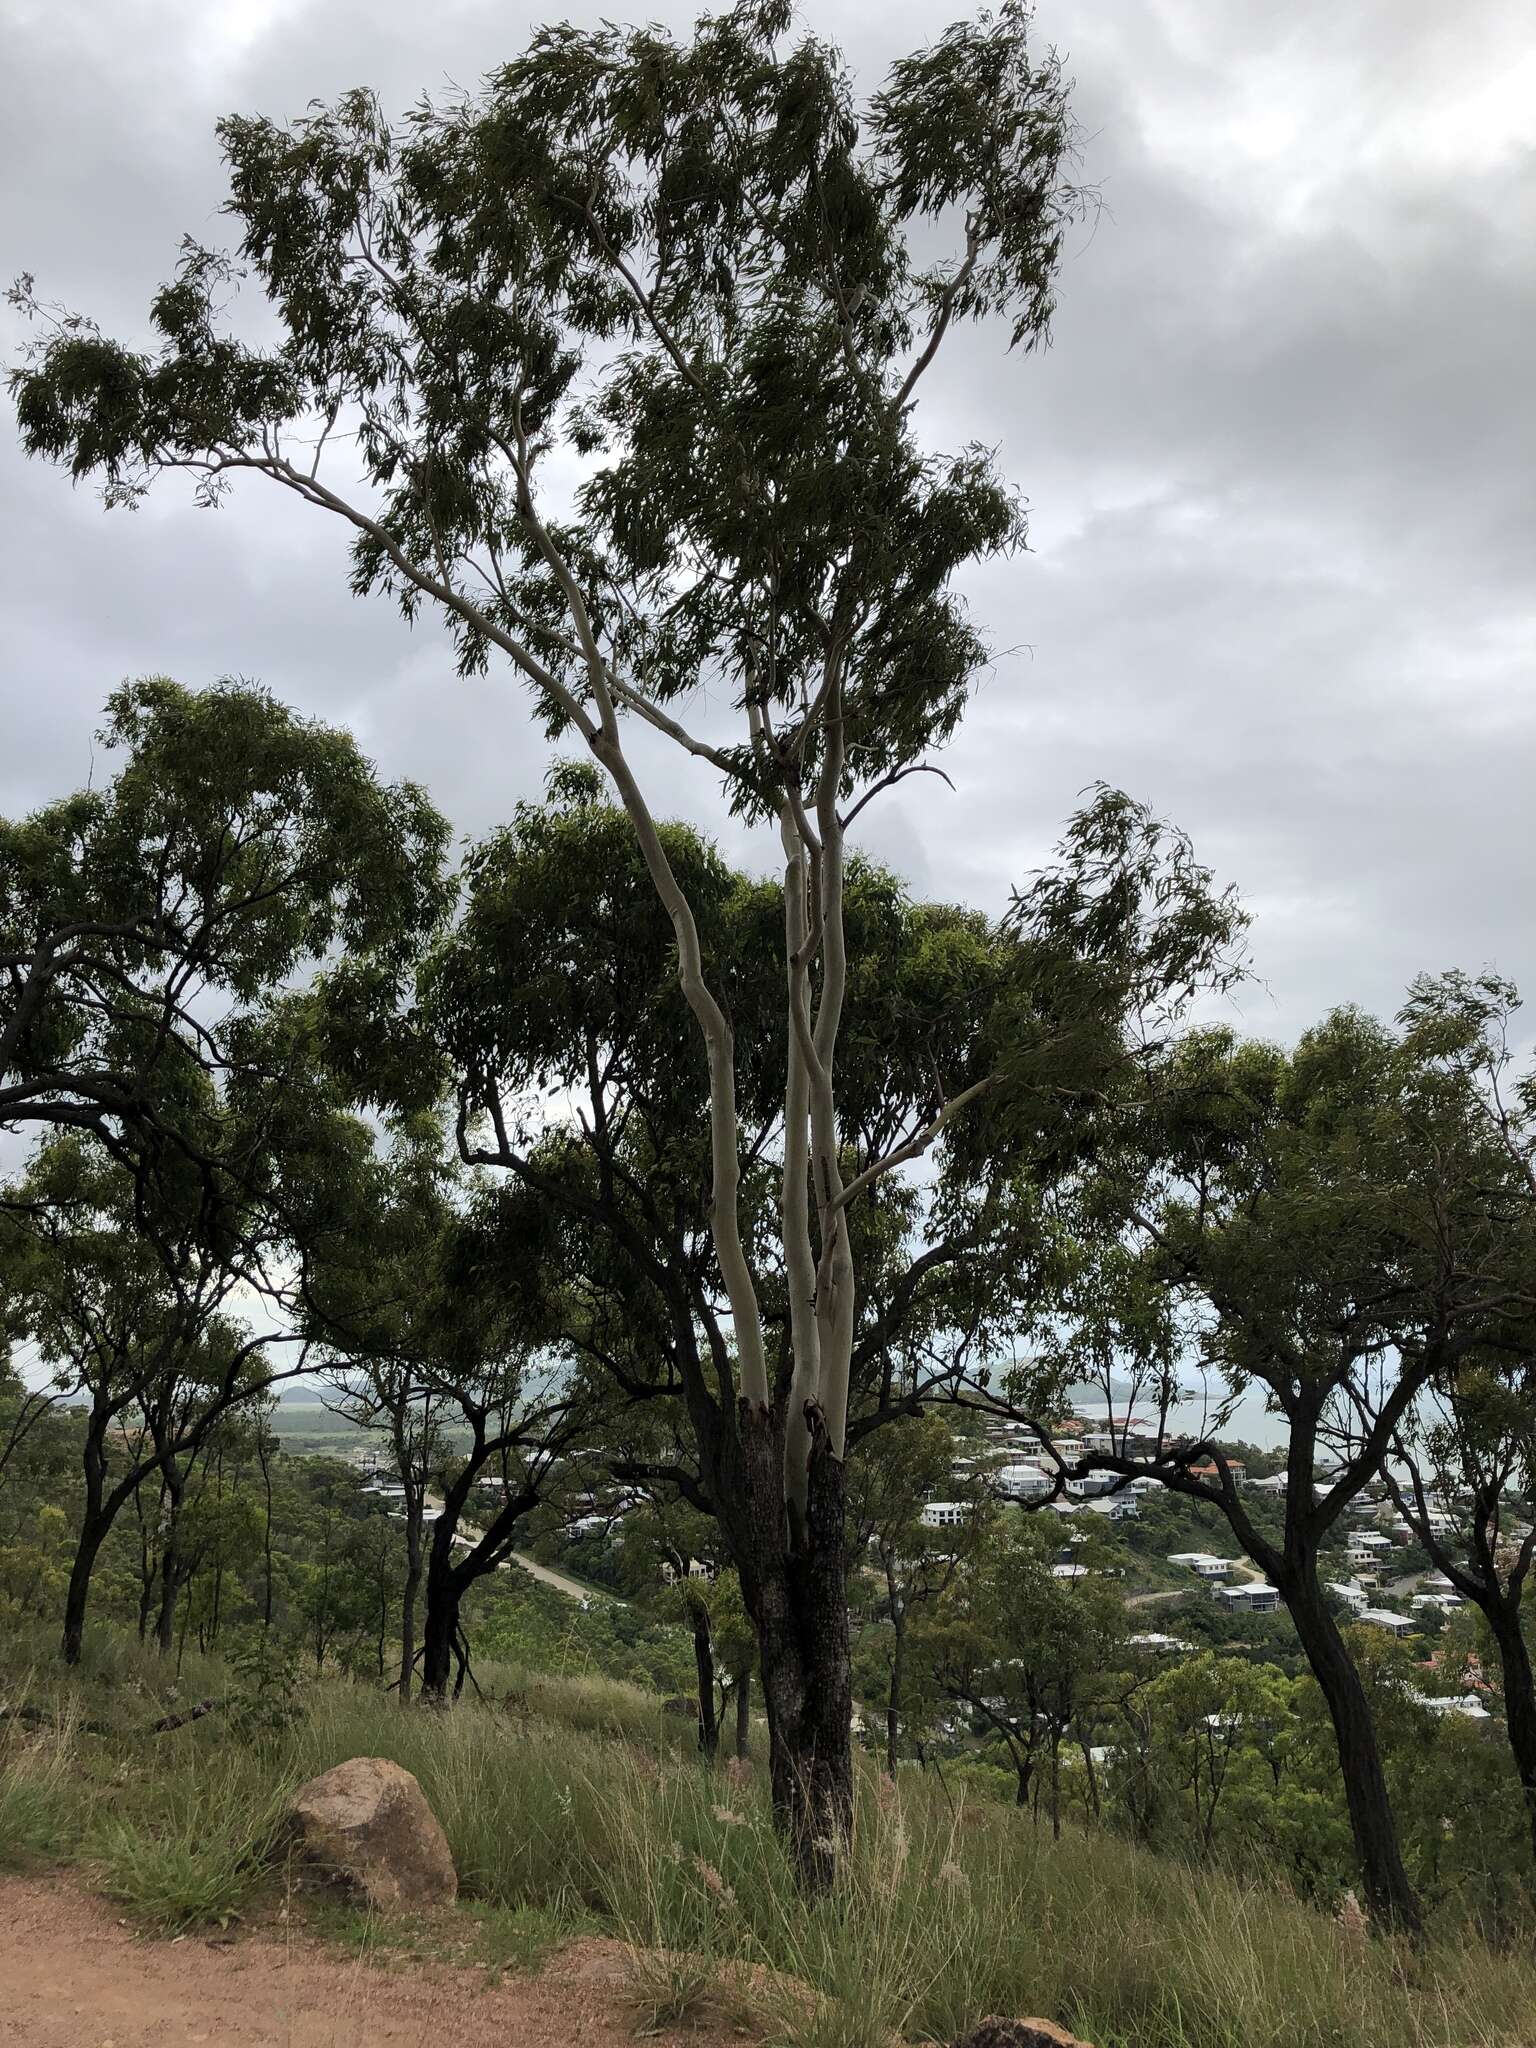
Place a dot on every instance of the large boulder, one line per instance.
(994, 2032)
(366, 1824)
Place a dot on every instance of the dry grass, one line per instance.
(580, 1805)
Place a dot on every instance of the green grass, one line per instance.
(197, 1861)
(582, 1806)
(40, 1795)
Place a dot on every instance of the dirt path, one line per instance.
(73, 1975)
(572, 1588)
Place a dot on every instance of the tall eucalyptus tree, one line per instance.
(718, 279)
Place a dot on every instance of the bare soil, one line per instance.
(75, 1975)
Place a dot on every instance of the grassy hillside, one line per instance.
(571, 1802)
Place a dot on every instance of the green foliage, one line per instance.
(517, 1620)
(152, 918)
(792, 297)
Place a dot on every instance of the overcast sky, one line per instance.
(1280, 458)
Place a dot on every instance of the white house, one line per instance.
(1074, 1572)
(944, 1514)
(697, 1569)
(1024, 1482)
(1160, 1645)
(1094, 1483)
(1254, 1596)
(1202, 1563)
(1352, 1596)
(1381, 1617)
(1468, 1704)
(1118, 1506)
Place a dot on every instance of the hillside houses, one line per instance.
(1384, 1618)
(1202, 1563)
(1254, 1596)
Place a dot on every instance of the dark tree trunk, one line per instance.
(95, 1521)
(93, 1533)
(795, 1584)
(1389, 1894)
(894, 1696)
(408, 1595)
(171, 1573)
(147, 1573)
(1092, 1777)
(165, 1617)
(441, 1623)
(704, 1668)
(383, 1590)
(1519, 1699)
(263, 1455)
(744, 1714)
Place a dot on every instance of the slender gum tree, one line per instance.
(709, 273)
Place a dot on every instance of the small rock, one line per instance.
(367, 1824)
(995, 2032)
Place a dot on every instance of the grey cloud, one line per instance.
(1279, 460)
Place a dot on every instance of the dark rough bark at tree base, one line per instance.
(440, 1629)
(1390, 1896)
(78, 1594)
(1519, 1701)
(796, 1592)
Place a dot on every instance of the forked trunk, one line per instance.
(1389, 1895)
(797, 1592)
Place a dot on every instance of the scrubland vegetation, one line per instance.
(581, 1806)
(739, 1233)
